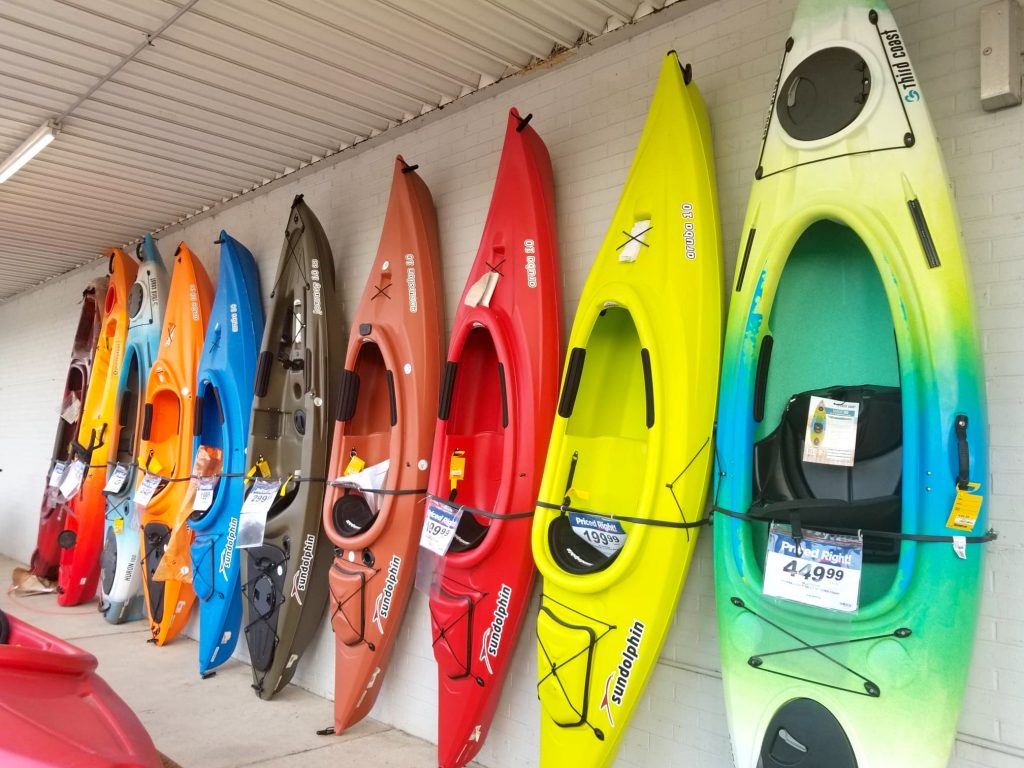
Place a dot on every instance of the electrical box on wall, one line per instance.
(1000, 55)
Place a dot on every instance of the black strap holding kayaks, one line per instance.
(784, 512)
(482, 512)
(626, 518)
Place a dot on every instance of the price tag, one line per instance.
(252, 521)
(966, 507)
(115, 483)
(824, 571)
(147, 489)
(355, 465)
(439, 526)
(831, 436)
(118, 525)
(57, 474)
(72, 479)
(204, 494)
(604, 535)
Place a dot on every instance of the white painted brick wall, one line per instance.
(590, 112)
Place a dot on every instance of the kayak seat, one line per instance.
(469, 533)
(571, 552)
(352, 515)
(865, 496)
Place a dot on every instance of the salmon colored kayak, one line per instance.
(385, 420)
(165, 450)
(82, 538)
(53, 511)
(496, 410)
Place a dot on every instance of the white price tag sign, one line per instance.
(824, 571)
(57, 474)
(439, 526)
(115, 483)
(147, 489)
(72, 479)
(831, 435)
(605, 535)
(252, 521)
(204, 494)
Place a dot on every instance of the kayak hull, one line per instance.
(121, 597)
(83, 532)
(861, 218)
(165, 448)
(497, 405)
(45, 561)
(632, 438)
(393, 369)
(285, 579)
(225, 381)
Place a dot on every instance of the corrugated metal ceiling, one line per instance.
(169, 107)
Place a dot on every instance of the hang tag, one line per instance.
(439, 526)
(118, 525)
(252, 521)
(966, 507)
(372, 478)
(263, 467)
(72, 409)
(637, 240)
(457, 468)
(823, 571)
(605, 535)
(205, 490)
(116, 481)
(72, 479)
(960, 546)
(57, 474)
(831, 435)
(355, 464)
(147, 489)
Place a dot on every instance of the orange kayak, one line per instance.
(167, 431)
(82, 538)
(389, 392)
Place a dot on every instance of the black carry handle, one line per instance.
(964, 474)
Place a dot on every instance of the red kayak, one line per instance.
(56, 711)
(53, 511)
(386, 414)
(494, 420)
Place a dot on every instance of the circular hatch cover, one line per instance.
(823, 94)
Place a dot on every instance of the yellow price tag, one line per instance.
(355, 464)
(151, 465)
(966, 507)
(457, 468)
(263, 467)
(118, 525)
(579, 494)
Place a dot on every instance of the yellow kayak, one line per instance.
(627, 470)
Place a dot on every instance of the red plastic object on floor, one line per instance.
(497, 407)
(56, 711)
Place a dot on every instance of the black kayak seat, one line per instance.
(867, 495)
(571, 552)
(352, 515)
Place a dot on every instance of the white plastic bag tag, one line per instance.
(252, 520)
(57, 474)
(372, 477)
(205, 490)
(439, 526)
(960, 546)
(831, 435)
(823, 570)
(115, 483)
(605, 535)
(146, 490)
(72, 479)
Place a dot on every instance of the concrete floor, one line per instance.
(218, 722)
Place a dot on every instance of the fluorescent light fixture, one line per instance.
(32, 146)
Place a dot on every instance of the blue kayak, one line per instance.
(121, 581)
(224, 398)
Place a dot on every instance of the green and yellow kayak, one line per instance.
(852, 429)
(627, 470)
